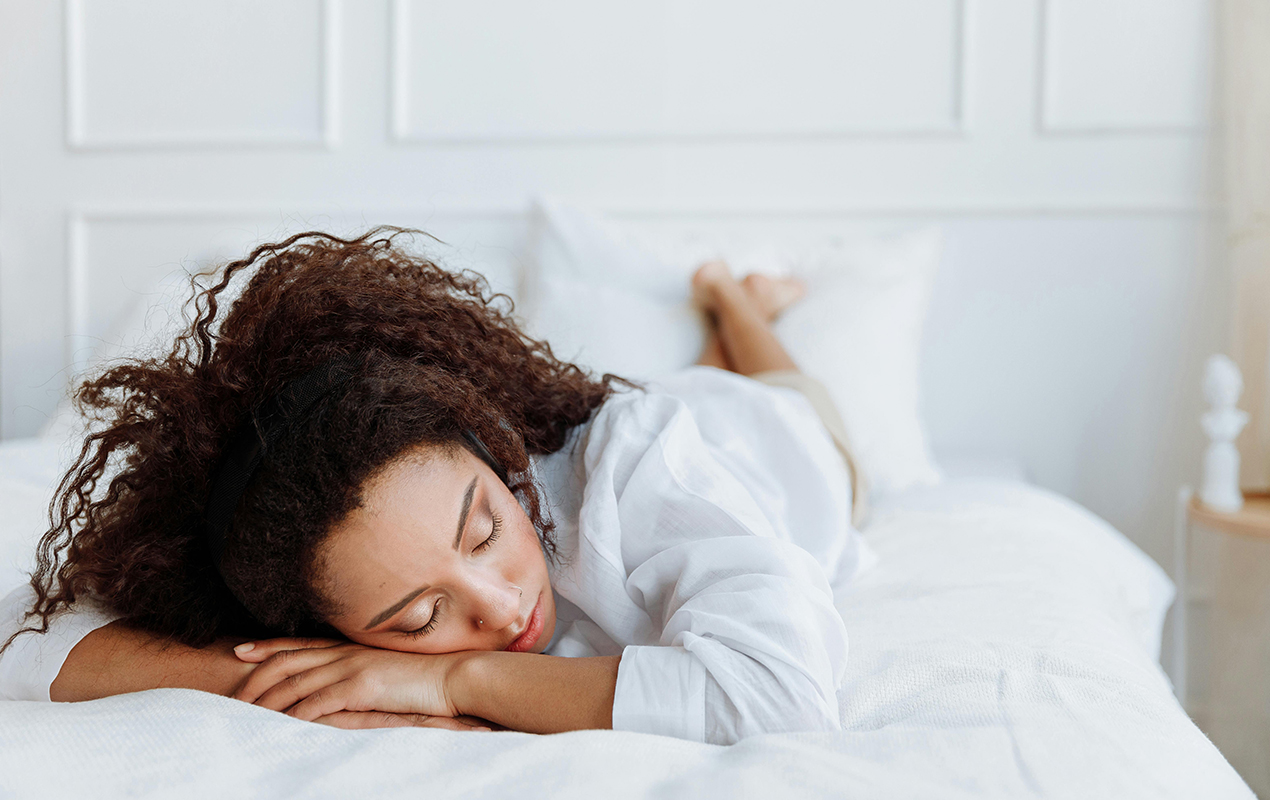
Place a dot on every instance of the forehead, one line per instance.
(413, 482)
(407, 521)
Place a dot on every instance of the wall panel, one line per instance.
(147, 73)
(124, 257)
(509, 71)
(1124, 65)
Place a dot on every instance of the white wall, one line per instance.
(1059, 142)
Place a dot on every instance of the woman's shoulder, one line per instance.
(697, 408)
(632, 421)
(683, 389)
(700, 401)
(700, 380)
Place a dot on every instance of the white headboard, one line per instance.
(1059, 144)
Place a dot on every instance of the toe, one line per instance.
(707, 279)
(773, 294)
(789, 291)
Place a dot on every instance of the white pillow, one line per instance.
(29, 471)
(615, 301)
(148, 327)
(24, 521)
(150, 323)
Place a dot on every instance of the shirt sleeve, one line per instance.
(745, 638)
(30, 664)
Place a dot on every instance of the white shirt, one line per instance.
(699, 526)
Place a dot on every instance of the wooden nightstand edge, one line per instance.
(1252, 520)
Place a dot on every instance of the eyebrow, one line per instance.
(467, 506)
(458, 537)
(400, 604)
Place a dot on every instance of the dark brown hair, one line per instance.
(438, 354)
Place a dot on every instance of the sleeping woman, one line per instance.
(360, 495)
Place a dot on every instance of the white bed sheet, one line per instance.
(1005, 647)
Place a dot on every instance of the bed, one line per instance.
(1005, 645)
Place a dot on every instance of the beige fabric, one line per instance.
(818, 396)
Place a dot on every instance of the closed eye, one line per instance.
(430, 625)
(496, 529)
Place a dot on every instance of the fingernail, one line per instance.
(245, 647)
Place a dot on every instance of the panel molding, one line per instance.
(78, 292)
(78, 138)
(78, 219)
(399, 104)
(76, 286)
(1044, 122)
(177, 212)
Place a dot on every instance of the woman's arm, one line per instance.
(116, 659)
(88, 653)
(536, 693)
(310, 679)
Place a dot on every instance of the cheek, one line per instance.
(528, 548)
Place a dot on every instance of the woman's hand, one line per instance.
(321, 679)
(313, 679)
(361, 720)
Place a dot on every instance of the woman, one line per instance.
(367, 452)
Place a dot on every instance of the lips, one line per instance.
(529, 636)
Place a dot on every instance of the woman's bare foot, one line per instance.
(772, 294)
(740, 314)
(712, 279)
(767, 294)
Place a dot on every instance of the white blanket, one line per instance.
(1005, 647)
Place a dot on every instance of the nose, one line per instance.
(496, 606)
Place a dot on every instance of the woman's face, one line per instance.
(438, 558)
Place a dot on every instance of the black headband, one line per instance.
(255, 437)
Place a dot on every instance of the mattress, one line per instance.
(1005, 646)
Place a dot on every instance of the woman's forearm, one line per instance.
(536, 693)
(116, 659)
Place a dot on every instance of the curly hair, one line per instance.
(439, 354)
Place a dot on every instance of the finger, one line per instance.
(360, 720)
(260, 650)
(295, 688)
(481, 724)
(280, 667)
(338, 696)
(445, 723)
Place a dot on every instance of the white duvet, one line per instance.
(1005, 647)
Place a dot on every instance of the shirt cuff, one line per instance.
(660, 690)
(32, 662)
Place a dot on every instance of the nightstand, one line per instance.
(1253, 520)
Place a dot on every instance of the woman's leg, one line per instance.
(712, 354)
(742, 313)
